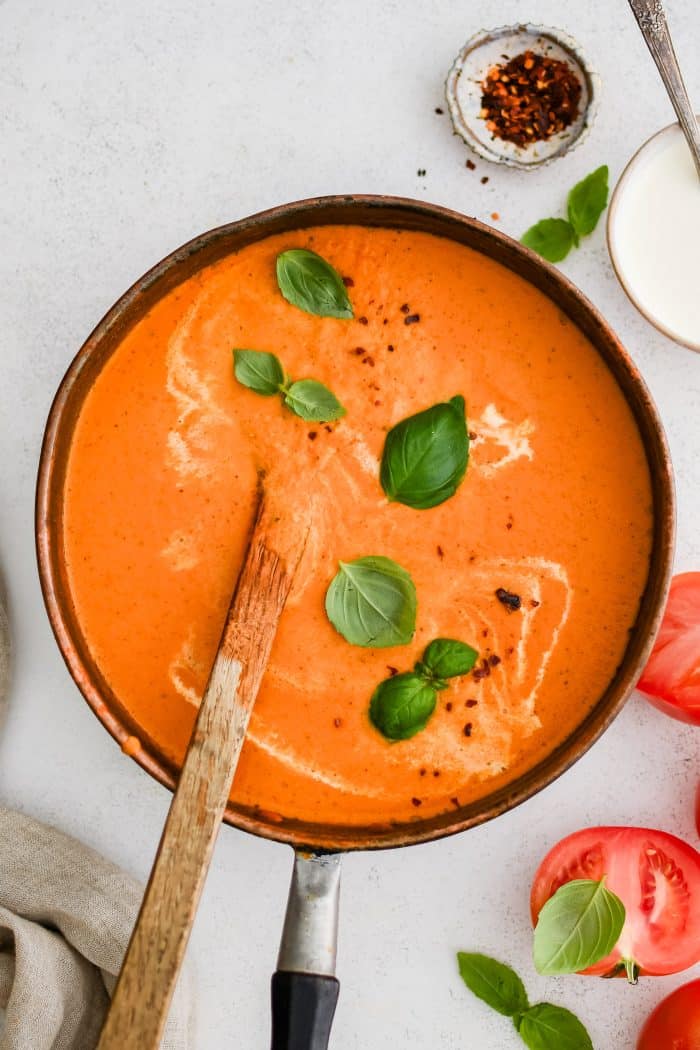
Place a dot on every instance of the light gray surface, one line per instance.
(127, 128)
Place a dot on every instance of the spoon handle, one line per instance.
(142, 996)
(651, 19)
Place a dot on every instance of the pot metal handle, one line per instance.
(305, 988)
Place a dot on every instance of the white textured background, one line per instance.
(125, 129)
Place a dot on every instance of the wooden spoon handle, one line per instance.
(147, 980)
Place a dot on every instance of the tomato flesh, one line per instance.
(671, 678)
(675, 1023)
(657, 878)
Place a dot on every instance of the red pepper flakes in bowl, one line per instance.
(530, 98)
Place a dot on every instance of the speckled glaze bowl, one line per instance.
(488, 48)
(190, 259)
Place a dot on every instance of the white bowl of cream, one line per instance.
(654, 235)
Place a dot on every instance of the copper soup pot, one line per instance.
(308, 941)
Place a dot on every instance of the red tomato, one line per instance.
(657, 878)
(697, 809)
(675, 1023)
(671, 678)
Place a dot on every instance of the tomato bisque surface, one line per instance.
(555, 507)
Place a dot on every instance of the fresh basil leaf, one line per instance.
(425, 456)
(547, 1027)
(494, 982)
(259, 371)
(577, 927)
(448, 658)
(309, 282)
(553, 239)
(401, 706)
(372, 602)
(588, 200)
(313, 401)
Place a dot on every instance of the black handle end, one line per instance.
(303, 1005)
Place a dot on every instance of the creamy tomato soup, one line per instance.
(555, 507)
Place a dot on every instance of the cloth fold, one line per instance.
(66, 915)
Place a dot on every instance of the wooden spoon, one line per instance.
(152, 962)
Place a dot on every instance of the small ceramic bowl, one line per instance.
(618, 257)
(463, 91)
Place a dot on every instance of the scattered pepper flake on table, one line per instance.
(530, 98)
(471, 165)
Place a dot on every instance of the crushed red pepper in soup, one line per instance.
(538, 561)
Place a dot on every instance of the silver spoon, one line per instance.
(651, 18)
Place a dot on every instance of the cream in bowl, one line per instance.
(654, 235)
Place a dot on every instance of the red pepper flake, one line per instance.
(495, 215)
(485, 632)
(337, 722)
(412, 319)
(359, 350)
(416, 802)
(509, 524)
(390, 348)
(313, 434)
(348, 282)
(439, 111)
(473, 435)
(392, 670)
(467, 729)
(455, 802)
(511, 601)
(405, 308)
(530, 98)
(494, 660)
(440, 551)
(362, 320)
(482, 671)
(377, 404)
(328, 427)
(534, 604)
(423, 772)
(484, 179)
(436, 772)
(385, 321)
(471, 165)
(448, 705)
(510, 650)
(471, 703)
(368, 360)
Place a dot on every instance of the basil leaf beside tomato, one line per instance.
(541, 1027)
(553, 239)
(661, 933)
(493, 982)
(306, 280)
(577, 927)
(372, 602)
(548, 1027)
(425, 456)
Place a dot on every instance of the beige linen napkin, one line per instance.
(66, 915)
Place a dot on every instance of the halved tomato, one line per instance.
(657, 878)
(675, 1023)
(671, 678)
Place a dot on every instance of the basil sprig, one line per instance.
(425, 456)
(263, 372)
(402, 705)
(541, 1027)
(553, 239)
(577, 927)
(309, 282)
(372, 602)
